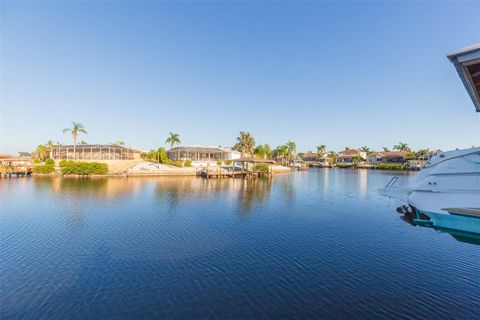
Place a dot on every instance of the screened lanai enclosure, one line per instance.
(94, 152)
(202, 153)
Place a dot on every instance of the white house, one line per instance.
(203, 155)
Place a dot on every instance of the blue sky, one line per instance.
(339, 74)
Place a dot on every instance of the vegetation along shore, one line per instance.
(244, 158)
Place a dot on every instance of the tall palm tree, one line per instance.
(268, 151)
(332, 157)
(281, 152)
(291, 147)
(245, 143)
(173, 139)
(365, 149)
(75, 130)
(386, 149)
(401, 147)
(321, 149)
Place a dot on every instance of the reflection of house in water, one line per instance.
(244, 193)
(363, 182)
(90, 188)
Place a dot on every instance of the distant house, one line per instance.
(93, 152)
(345, 157)
(394, 157)
(310, 156)
(203, 154)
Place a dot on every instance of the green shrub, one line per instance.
(219, 162)
(261, 167)
(156, 155)
(188, 163)
(85, 168)
(44, 169)
(228, 162)
(36, 161)
(390, 166)
(177, 163)
(65, 163)
(49, 162)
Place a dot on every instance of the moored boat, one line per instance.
(446, 192)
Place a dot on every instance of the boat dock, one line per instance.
(15, 166)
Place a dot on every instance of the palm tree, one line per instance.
(267, 150)
(365, 149)
(259, 151)
(332, 157)
(422, 153)
(245, 143)
(386, 149)
(291, 147)
(173, 139)
(75, 130)
(401, 147)
(281, 152)
(321, 149)
(356, 160)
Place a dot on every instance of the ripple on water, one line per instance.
(319, 244)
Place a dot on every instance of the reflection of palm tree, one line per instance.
(288, 189)
(253, 191)
(75, 130)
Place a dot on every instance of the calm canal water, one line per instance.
(316, 244)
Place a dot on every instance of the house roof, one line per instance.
(350, 152)
(254, 160)
(388, 154)
(467, 64)
(381, 154)
(395, 153)
(96, 146)
(205, 149)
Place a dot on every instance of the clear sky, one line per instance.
(340, 74)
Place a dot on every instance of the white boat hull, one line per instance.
(450, 180)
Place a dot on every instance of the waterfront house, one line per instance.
(316, 159)
(94, 152)
(310, 156)
(202, 155)
(393, 157)
(345, 157)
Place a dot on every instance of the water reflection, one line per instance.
(89, 188)
(465, 237)
(245, 193)
(253, 192)
(189, 248)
